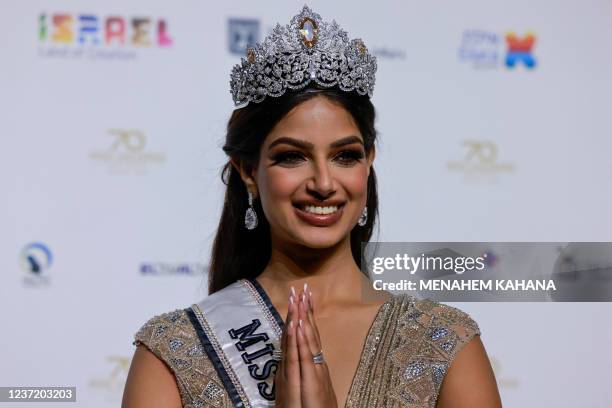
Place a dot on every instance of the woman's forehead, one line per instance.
(316, 119)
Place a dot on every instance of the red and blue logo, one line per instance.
(520, 50)
(489, 50)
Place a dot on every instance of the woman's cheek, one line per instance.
(282, 185)
(356, 182)
(277, 187)
(286, 183)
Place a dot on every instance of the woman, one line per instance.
(301, 198)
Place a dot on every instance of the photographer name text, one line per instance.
(468, 285)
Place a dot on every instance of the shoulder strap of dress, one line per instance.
(431, 334)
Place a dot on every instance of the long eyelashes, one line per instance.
(351, 156)
(345, 157)
(287, 158)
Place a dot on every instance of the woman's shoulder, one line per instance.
(172, 337)
(161, 328)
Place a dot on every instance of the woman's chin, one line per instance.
(320, 240)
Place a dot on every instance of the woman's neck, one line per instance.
(332, 274)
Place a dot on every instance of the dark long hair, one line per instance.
(239, 253)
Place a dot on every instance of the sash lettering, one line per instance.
(247, 337)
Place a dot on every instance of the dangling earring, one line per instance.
(364, 217)
(250, 218)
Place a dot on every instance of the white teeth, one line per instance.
(320, 210)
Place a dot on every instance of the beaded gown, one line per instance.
(406, 354)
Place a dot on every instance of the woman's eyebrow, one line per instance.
(307, 145)
(346, 140)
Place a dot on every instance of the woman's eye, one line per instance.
(345, 157)
(287, 157)
(349, 156)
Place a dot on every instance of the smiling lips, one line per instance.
(319, 216)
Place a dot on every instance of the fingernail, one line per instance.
(293, 291)
(291, 299)
(305, 287)
(301, 324)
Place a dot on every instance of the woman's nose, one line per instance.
(322, 181)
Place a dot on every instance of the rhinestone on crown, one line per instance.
(305, 50)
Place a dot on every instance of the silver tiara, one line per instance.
(307, 49)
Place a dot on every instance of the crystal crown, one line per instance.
(291, 57)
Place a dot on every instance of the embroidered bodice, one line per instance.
(407, 352)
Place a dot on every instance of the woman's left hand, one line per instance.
(315, 382)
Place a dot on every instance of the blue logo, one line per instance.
(35, 260)
(480, 48)
(241, 33)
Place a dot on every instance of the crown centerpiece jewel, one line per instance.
(306, 50)
(308, 30)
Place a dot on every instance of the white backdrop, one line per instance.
(111, 158)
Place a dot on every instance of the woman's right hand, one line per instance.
(287, 378)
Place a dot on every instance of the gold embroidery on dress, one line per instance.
(411, 344)
(408, 352)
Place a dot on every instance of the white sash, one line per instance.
(240, 331)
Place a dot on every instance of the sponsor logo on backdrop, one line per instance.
(247, 31)
(172, 269)
(127, 152)
(241, 33)
(491, 50)
(520, 50)
(389, 53)
(480, 161)
(111, 385)
(91, 36)
(35, 260)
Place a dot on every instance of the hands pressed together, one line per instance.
(299, 381)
